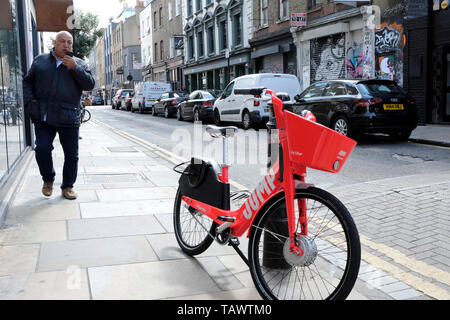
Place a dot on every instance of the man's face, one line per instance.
(63, 44)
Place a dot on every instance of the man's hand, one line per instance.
(87, 102)
(69, 62)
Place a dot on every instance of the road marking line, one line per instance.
(412, 264)
(413, 281)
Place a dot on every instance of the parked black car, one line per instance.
(168, 102)
(198, 106)
(352, 107)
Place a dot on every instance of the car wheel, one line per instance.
(166, 112)
(179, 116)
(140, 109)
(217, 121)
(400, 135)
(112, 106)
(132, 109)
(197, 115)
(341, 125)
(247, 122)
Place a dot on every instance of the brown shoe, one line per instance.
(47, 188)
(69, 194)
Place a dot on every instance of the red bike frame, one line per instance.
(270, 186)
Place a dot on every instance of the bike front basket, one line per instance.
(316, 146)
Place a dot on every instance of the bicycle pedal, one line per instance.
(234, 242)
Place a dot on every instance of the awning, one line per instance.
(54, 15)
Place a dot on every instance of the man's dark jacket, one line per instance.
(53, 94)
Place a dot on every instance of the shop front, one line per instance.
(12, 142)
(275, 55)
(440, 52)
(218, 73)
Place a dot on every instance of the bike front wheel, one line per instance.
(193, 230)
(329, 265)
(85, 116)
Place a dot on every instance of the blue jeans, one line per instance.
(69, 137)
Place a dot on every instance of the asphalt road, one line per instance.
(375, 157)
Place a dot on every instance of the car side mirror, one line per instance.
(298, 99)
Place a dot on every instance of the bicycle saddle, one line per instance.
(217, 132)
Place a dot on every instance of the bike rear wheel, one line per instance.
(193, 230)
(331, 256)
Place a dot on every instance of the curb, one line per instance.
(430, 142)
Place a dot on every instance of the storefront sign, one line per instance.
(178, 42)
(298, 19)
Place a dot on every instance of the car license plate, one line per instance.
(394, 106)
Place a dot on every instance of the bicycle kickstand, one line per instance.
(234, 242)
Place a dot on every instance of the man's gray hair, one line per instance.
(61, 33)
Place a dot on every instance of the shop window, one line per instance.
(11, 102)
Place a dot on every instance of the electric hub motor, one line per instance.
(308, 247)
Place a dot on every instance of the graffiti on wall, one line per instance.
(328, 57)
(354, 61)
(390, 40)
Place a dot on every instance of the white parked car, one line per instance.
(234, 108)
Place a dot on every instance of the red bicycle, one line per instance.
(303, 242)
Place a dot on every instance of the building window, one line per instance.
(154, 20)
(223, 34)
(237, 28)
(177, 7)
(284, 8)
(211, 44)
(208, 2)
(191, 47)
(160, 16)
(161, 50)
(156, 52)
(171, 49)
(313, 3)
(264, 12)
(200, 46)
(189, 8)
(198, 5)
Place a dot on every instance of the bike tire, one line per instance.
(189, 228)
(333, 270)
(86, 116)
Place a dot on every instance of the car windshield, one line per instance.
(212, 94)
(379, 87)
(180, 94)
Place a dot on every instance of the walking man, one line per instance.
(52, 92)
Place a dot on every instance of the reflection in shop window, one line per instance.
(11, 111)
